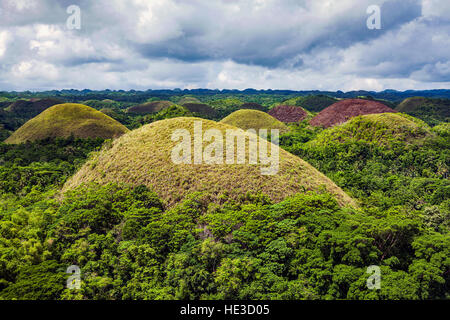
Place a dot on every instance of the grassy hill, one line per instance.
(143, 156)
(150, 107)
(201, 109)
(254, 119)
(188, 99)
(64, 120)
(380, 129)
(429, 110)
(32, 107)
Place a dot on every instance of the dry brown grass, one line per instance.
(254, 119)
(64, 120)
(143, 156)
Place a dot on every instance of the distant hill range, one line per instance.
(143, 96)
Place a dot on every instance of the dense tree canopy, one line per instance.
(129, 245)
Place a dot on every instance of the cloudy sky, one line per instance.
(233, 44)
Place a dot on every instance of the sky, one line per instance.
(224, 44)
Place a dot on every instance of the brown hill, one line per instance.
(150, 107)
(65, 120)
(344, 110)
(32, 107)
(286, 113)
(201, 109)
(143, 156)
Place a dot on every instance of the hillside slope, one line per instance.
(429, 110)
(380, 129)
(150, 107)
(287, 114)
(341, 111)
(254, 119)
(32, 107)
(143, 156)
(64, 120)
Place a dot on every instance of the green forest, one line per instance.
(131, 245)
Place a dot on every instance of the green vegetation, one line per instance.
(313, 103)
(150, 107)
(383, 166)
(141, 227)
(254, 119)
(129, 247)
(432, 111)
(188, 99)
(224, 107)
(65, 120)
(384, 129)
(42, 164)
(103, 104)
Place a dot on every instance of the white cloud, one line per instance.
(35, 70)
(284, 44)
(5, 38)
(436, 8)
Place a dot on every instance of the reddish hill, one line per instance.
(286, 113)
(341, 111)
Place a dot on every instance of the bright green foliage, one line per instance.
(42, 164)
(432, 111)
(305, 247)
(313, 103)
(131, 244)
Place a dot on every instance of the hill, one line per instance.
(254, 119)
(379, 129)
(150, 107)
(253, 106)
(188, 99)
(285, 113)
(429, 110)
(313, 103)
(64, 120)
(201, 109)
(143, 156)
(4, 104)
(341, 111)
(32, 107)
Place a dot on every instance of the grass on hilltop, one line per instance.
(143, 156)
(432, 111)
(65, 120)
(380, 129)
(254, 119)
